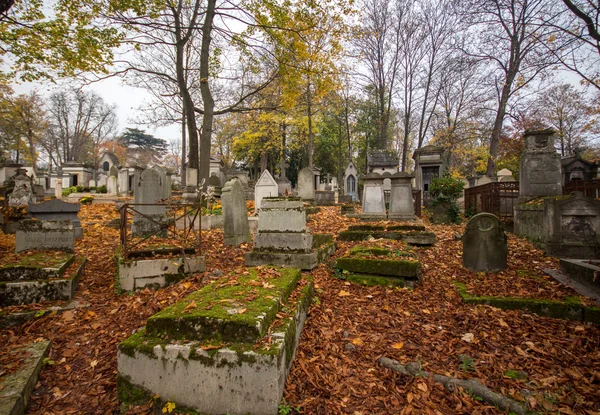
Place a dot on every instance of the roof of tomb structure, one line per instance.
(109, 155)
(428, 149)
(382, 158)
(567, 161)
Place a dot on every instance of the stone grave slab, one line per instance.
(219, 369)
(411, 234)
(45, 235)
(484, 244)
(58, 210)
(372, 265)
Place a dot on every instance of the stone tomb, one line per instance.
(415, 235)
(19, 189)
(324, 197)
(58, 210)
(402, 207)
(235, 214)
(149, 189)
(540, 168)
(284, 239)
(266, 186)
(572, 227)
(373, 200)
(372, 265)
(220, 350)
(484, 244)
(45, 235)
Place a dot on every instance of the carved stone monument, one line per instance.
(148, 189)
(373, 200)
(45, 235)
(306, 184)
(266, 186)
(19, 191)
(540, 168)
(236, 229)
(402, 207)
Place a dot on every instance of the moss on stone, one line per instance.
(409, 228)
(368, 228)
(130, 394)
(516, 374)
(352, 235)
(320, 239)
(139, 342)
(374, 280)
(370, 250)
(240, 312)
(397, 268)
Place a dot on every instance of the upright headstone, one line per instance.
(19, 191)
(540, 169)
(148, 189)
(45, 235)
(236, 229)
(58, 210)
(306, 184)
(484, 244)
(191, 188)
(166, 185)
(402, 207)
(373, 200)
(112, 181)
(215, 184)
(266, 186)
(58, 189)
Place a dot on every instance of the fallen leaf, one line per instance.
(398, 345)
(343, 293)
(468, 337)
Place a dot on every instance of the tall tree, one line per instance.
(507, 38)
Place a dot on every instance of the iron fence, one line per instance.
(178, 230)
(497, 198)
(589, 188)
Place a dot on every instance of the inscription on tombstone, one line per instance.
(45, 234)
(540, 168)
(484, 244)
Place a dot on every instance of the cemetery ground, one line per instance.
(552, 365)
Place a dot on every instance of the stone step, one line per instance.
(240, 312)
(376, 266)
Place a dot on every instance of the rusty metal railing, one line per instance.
(177, 226)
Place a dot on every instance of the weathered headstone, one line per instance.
(402, 207)
(266, 186)
(540, 169)
(236, 229)
(19, 189)
(148, 189)
(45, 235)
(215, 183)
(572, 227)
(373, 200)
(325, 197)
(306, 184)
(484, 244)
(58, 189)
(57, 210)
(165, 184)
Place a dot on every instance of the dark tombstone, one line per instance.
(484, 244)
(58, 210)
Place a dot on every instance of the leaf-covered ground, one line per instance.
(349, 327)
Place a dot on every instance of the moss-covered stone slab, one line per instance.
(16, 388)
(61, 287)
(406, 228)
(370, 228)
(235, 312)
(570, 309)
(36, 266)
(213, 377)
(419, 238)
(375, 280)
(391, 267)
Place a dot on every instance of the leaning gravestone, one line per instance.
(45, 235)
(306, 184)
(484, 244)
(236, 229)
(266, 186)
(148, 189)
(57, 210)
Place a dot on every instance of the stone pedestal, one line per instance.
(373, 200)
(191, 190)
(540, 168)
(402, 207)
(58, 189)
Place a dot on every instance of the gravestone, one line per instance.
(112, 181)
(325, 197)
(102, 179)
(92, 183)
(215, 183)
(148, 189)
(166, 182)
(402, 207)
(58, 189)
(19, 191)
(373, 200)
(306, 184)
(45, 235)
(484, 244)
(58, 210)
(571, 227)
(236, 229)
(540, 168)
(266, 186)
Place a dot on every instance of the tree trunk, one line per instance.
(310, 131)
(207, 98)
(497, 130)
(183, 149)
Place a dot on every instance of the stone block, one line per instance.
(391, 267)
(137, 274)
(324, 197)
(58, 210)
(282, 220)
(235, 214)
(484, 244)
(45, 235)
(283, 241)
